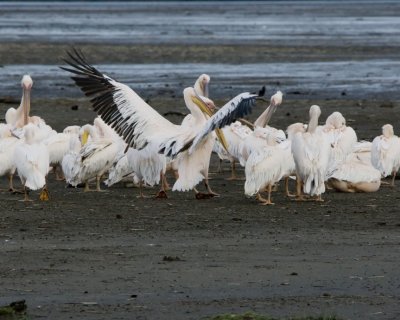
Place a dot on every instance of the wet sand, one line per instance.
(113, 256)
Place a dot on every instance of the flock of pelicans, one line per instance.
(131, 140)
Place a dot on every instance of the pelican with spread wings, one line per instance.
(141, 126)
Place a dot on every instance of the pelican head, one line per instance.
(266, 116)
(336, 120)
(315, 112)
(205, 104)
(26, 82)
(201, 85)
(276, 99)
(85, 132)
(387, 131)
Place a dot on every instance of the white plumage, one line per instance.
(71, 161)
(311, 152)
(141, 126)
(264, 167)
(385, 152)
(32, 160)
(341, 138)
(8, 143)
(354, 175)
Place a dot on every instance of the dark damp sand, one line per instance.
(101, 255)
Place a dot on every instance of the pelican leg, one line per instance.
(393, 178)
(220, 166)
(26, 192)
(44, 194)
(165, 183)
(11, 185)
(98, 183)
(263, 200)
(201, 195)
(299, 191)
(10, 182)
(210, 192)
(162, 194)
(57, 173)
(288, 194)
(86, 188)
(233, 171)
(319, 198)
(141, 196)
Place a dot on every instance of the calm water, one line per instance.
(322, 22)
(358, 79)
(319, 23)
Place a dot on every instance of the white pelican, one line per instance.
(201, 86)
(121, 169)
(341, 137)
(137, 161)
(58, 145)
(385, 152)
(8, 143)
(265, 117)
(32, 161)
(363, 151)
(237, 133)
(96, 155)
(234, 135)
(71, 161)
(264, 167)
(141, 126)
(20, 116)
(354, 175)
(311, 153)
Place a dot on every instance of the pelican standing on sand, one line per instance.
(141, 126)
(385, 153)
(264, 167)
(8, 143)
(311, 153)
(32, 161)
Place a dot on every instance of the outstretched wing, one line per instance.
(238, 107)
(119, 106)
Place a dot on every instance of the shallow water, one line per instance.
(285, 22)
(331, 80)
